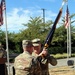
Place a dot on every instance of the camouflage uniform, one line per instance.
(3, 54)
(22, 64)
(25, 64)
(43, 64)
(36, 64)
(34, 54)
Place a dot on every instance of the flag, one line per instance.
(1, 16)
(2, 8)
(51, 32)
(67, 18)
(3, 4)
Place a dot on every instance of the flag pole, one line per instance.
(68, 35)
(67, 43)
(7, 44)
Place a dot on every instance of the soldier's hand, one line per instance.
(44, 52)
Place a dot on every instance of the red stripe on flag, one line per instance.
(1, 16)
(3, 4)
(67, 18)
(2, 8)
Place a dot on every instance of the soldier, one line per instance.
(22, 62)
(3, 54)
(43, 64)
(25, 63)
(37, 47)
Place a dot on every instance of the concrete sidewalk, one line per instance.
(63, 62)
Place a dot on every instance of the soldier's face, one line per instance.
(37, 48)
(30, 49)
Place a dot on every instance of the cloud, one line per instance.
(50, 0)
(17, 16)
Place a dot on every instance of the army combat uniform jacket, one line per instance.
(3, 67)
(25, 64)
(44, 64)
(22, 64)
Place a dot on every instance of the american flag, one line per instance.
(2, 8)
(1, 16)
(3, 4)
(67, 18)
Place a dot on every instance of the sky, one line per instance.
(20, 11)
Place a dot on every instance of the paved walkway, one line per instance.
(63, 62)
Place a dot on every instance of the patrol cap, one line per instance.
(36, 42)
(27, 43)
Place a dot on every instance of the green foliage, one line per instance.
(60, 37)
(61, 56)
(35, 28)
(55, 50)
(2, 38)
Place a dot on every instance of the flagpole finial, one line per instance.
(64, 1)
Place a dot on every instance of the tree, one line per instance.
(35, 28)
(2, 38)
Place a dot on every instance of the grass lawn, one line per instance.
(61, 56)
